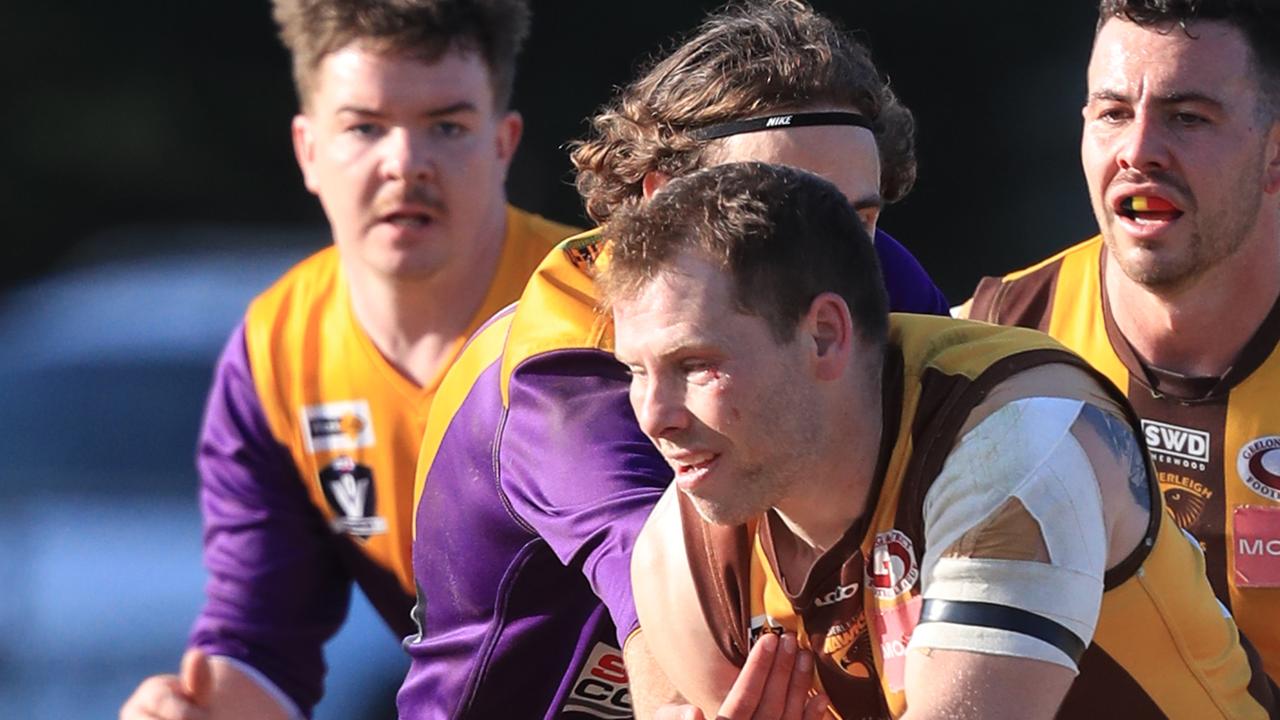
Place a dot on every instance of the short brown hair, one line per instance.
(1257, 20)
(746, 60)
(422, 29)
(783, 235)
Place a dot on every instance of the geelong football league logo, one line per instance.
(349, 489)
(1259, 466)
(892, 569)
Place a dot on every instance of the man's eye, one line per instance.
(1112, 115)
(364, 129)
(698, 369)
(1187, 119)
(449, 129)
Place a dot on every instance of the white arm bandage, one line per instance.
(1016, 541)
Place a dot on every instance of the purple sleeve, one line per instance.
(276, 590)
(577, 469)
(910, 287)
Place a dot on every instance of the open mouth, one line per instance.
(689, 468)
(1147, 209)
(408, 219)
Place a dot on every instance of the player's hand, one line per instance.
(184, 696)
(773, 685)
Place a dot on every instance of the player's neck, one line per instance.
(1198, 330)
(822, 506)
(417, 323)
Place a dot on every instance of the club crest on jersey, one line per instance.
(849, 645)
(349, 490)
(892, 568)
(343, 425)
(602, 689)
(1259, 466)
(583, 251)
(1175, 445)
(1185, 497)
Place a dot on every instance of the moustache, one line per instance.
(397, 197)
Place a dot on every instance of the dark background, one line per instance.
(131, 118)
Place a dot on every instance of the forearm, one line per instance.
(234, 694)
(650, 686)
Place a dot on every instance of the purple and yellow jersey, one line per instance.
(1215, 441)
(306, 457)
(533, 482)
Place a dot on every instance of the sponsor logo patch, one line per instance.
(349, 489)
(1176, 446)
(761, 624)
(343, 425)
(894, 626)
(1257, 546)
(780, 121)
(892, 569)
(601, 690)
(1259, 466)
(844, 592)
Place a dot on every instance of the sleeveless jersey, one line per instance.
(534, 481)
(307, 457)
(1162, 647)
(1215, 442)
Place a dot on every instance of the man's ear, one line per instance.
(653, 182)
(828, 326)
(304, 150)
(1272, 177)
(510, 130)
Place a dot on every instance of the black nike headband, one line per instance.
(799, 119)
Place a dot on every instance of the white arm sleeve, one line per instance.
(990, 584)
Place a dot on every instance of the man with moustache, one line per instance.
(534, 478)
(1177, 300)
(320, 399)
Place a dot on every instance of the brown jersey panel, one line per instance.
(720, 560)
(1185, 442)
(1026, 303)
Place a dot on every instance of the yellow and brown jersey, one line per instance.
(1215, 441)
(1162, 645)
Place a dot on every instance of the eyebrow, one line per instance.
(868, 202)
(454, 109)
(1174, 98)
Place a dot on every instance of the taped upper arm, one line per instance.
(1016, 543)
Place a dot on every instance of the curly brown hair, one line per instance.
(422, 29)
(746, 60)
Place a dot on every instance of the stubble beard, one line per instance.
(754, 491)
(1215, 236)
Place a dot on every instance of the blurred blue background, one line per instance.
(149, 191)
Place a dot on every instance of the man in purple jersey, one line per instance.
(534, 478)
(319, 401)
